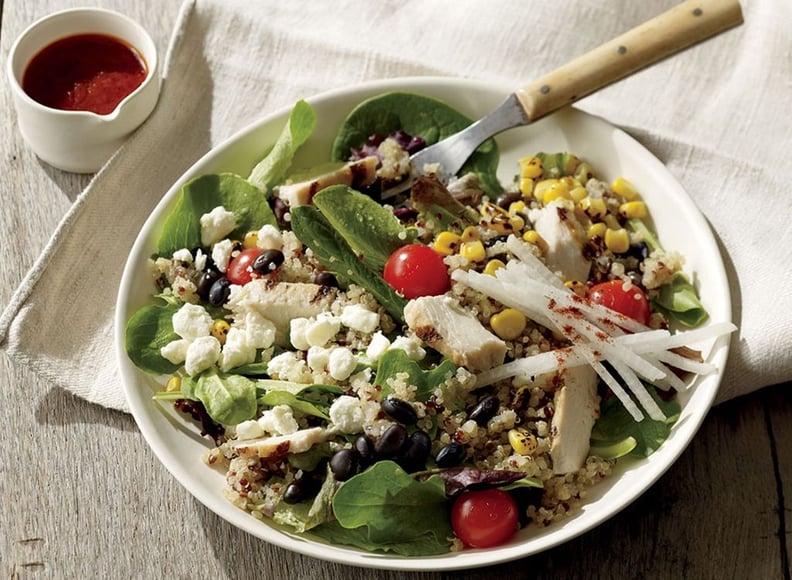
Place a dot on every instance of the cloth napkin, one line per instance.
(717, 115)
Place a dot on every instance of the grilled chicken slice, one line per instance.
(559, 227)
(355, 174)
(442, 324)
(576, 409)
(281, 445)
(281, 302)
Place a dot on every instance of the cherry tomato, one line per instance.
(416, 270)
(631, 302)
(238, 270)
(485, 518)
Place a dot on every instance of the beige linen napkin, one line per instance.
(717, 115)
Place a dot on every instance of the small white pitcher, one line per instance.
(81, 141)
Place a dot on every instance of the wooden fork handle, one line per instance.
(680, 27)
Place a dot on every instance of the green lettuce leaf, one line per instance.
(395, 361)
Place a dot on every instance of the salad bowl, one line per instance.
(677, 221)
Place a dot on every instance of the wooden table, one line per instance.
(83, 496)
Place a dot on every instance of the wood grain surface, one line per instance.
(82, 496)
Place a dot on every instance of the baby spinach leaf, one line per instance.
(615, 424)
(369, 228)
(425, 545)
(678, 300)
(418, 115)
(147, 331)
(306, 515)
(272, 169)
(201, 195)
(392, 509)
(395, 361)
(332, 250)
(229, 399)
(274, 398)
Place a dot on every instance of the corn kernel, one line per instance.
(493, 266)
(576, 286)
(624, 188)
(633, 209)
(506, 225)
(173, 384)
(508, 324)
(474, 251)
(578, 193)
(516, 207)
(526, 187)
(597, 230)
(250, 240)
(446, 243)
(523, 442)
(550, 189)
(470, 234)
(612, 221)
(594, 207)
(530, 167)
(533, 237)
(220, 330)
(617, 241)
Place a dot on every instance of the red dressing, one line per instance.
(84, 72)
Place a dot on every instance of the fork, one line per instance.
(672, 31)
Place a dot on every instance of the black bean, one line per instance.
(451, 455)
(504, 200)
(219, 291)
(205, 283)
(365, 450)
(294, 492)
(344, 464)
(267, 261)
(281, 211)
(391, 441)
(484, 410)
(399, 410)
(326, 279)
(415, 452)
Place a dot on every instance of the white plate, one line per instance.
(609, 150)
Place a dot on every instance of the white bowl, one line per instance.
(610, 151)
(80, 141)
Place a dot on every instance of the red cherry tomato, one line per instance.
(631, 302)
(238, 271)
(416, 270)
(485, 518)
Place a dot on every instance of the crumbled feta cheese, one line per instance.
(411, 345)
(378, 345)
(236, 350)
(286, 366)
(269, 238)
(249, 430)
(319, 331)
(341, 363)
(183, 255)
(175, 351)
(260, 331)
(358, 318)
(348, 414)
(200, 260)
(297, 328)
(202, 353)
(278, 421)
(318, 357)
(221, 254)
(216, 225)
(192, 321)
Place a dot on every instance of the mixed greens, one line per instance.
(356, 394)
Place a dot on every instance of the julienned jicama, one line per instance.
(372, 373)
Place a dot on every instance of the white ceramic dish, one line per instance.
(612, 152)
